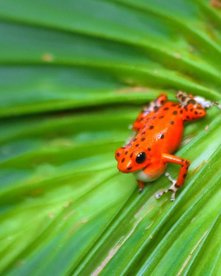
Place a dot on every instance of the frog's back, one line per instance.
(163, 128)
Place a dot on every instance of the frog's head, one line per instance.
(131, 159)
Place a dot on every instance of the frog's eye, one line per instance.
(141, 157)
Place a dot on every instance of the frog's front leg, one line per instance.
(176, 184)
(141, 185)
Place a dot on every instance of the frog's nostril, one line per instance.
(118, 153)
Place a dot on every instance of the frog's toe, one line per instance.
(173, 196)
(160, 193)
(173, 189)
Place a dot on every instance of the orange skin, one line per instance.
(159, 130)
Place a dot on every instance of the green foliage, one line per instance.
(73, 76)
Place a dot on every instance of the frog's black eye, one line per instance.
(141, 157)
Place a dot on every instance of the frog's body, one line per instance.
(159, 130)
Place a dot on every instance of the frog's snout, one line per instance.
(124, 164)
(119, 153)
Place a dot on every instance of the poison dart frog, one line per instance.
(159, 130)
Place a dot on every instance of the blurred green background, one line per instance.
(73, 76)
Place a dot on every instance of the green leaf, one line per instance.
(73, 76)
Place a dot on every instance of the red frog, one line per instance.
(159, 130)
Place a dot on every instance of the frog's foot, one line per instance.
(173, 188)
(206, 103)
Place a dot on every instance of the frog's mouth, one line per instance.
(129, 167)
(125, 168)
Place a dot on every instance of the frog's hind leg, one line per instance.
(190, 108)
(206, 103)
(144, 114)
(185, 99)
